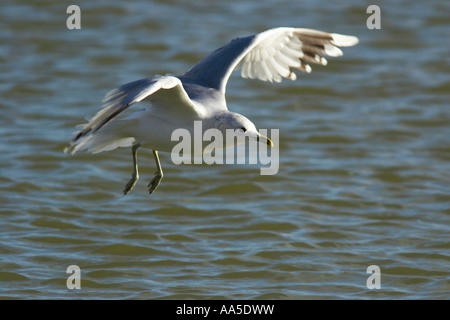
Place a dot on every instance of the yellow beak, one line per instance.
(263, 139)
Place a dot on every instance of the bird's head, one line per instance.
(242, 127)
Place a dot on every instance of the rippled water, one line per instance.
(364, 173)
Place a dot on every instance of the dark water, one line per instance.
(364, 174)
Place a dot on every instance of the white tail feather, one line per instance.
(108, 138)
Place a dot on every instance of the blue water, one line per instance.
(364, 158)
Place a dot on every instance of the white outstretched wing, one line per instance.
(162, 91)
(269, 56)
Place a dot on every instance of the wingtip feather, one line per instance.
(344, 40)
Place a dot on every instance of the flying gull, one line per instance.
(199, 94)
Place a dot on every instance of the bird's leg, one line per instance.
(135, 175)
(158, 174)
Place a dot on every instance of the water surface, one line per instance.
(364, 158)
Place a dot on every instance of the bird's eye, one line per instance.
(243, 129)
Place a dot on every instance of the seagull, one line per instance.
(199, 94)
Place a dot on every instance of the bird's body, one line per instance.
(199, 94)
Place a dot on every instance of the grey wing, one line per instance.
(162, 91)
(214, 70)
(269, 56)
